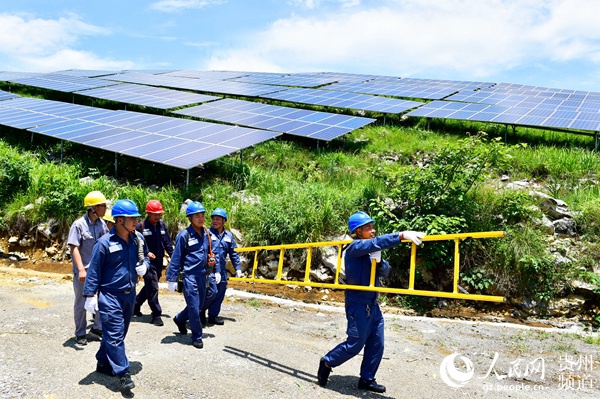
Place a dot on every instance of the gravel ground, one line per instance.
(270, 348)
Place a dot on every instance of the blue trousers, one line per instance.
(215, 307)
(194, 292)
(115, 311)
(365, 330)
(150, 290)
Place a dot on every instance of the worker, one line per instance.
(83, 234)
(108, 219)
(365, 321)
(192, 257)
(158, 240)
(223, 245)
(118, 259)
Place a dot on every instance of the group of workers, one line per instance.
(107, 263)
(110, 250)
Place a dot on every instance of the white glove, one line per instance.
(238, 273)
(141, 269)
(172, 286)
(376, 255)
(218, 277)
(414, 236)
(91, 304)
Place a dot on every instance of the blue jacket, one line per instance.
(358, 265)
(158, 240)
(189, 254)
(112, 267)
(222, 245)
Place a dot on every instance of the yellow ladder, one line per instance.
(371, 287)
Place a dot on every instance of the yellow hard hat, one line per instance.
(108, 216)
(94, 198)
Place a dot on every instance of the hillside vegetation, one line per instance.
(443, 180)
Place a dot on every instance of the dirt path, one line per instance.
(270, 348)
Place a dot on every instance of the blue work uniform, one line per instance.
(112, 275)
(158, 241)
(83, 234)
(222, 245)
(365, 321)
(190, 255)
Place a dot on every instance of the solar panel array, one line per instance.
(4, 95)
(299, 122)
(61, 82)
(148, 96)
(208, 85)
(340, 99)
(409, 88)
(525, 115)
(171, 141)
(299, 80)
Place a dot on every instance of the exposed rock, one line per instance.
(569, 306)
(565, 226)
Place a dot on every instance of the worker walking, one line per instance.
(158, 240)
(83, 234)
(191, 256)
(117, 260)
(365, 321)
(223, 244)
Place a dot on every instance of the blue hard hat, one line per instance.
(358, 219)
(194, 207)
(125, 207)
(219, 212)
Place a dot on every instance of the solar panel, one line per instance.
(341, 99)
(411, 88)
(202, 85)
(4, 95)
(284, 120)
(60, 82)
(285, 79)
(147, 96)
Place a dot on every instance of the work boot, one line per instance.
(198, 343)
(181, 326)
(323, 373)
(137, 311)
(126, 383)
(372, 386)
(105, 369)
(216, 320)
(96, 332)
(203, 318)
(81, 340)
(157, 321)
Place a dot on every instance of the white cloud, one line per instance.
(35, 44)
(408, 37)
(181, 5)
(29, 35)
(72, 59)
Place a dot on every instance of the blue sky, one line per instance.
(551, 43)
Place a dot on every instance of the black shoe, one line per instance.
(137, 311)
(96, 332)
(323, 373)
(105, 369)
(181, 326)
(216, 320)
(157, 321)
(126, 383)
(203, 318)
(198, 344)
(372, 386)
(81, 340)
